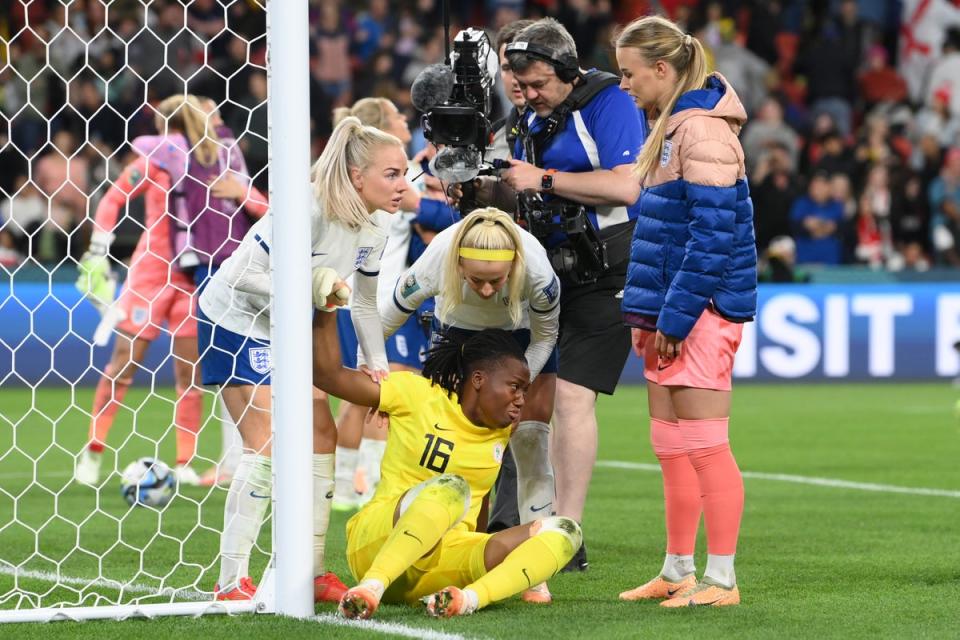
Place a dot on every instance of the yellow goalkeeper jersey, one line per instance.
(429, 435)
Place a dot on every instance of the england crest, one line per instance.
(140, 315)
(667, 152)
(551, 290)
(260, 360)
(362, 254)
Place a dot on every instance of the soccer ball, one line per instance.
(147, 482)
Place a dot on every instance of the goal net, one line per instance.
(80, 84)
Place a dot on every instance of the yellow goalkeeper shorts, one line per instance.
(457, 560)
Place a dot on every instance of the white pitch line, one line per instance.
(394, 628)
(372, 626)
(812, 480)
(133, 587)
(643, 466)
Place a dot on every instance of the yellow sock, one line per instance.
(436, 505)
(533, 561)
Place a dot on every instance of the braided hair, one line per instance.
(451, 360)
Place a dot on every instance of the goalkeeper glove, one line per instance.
(325, 280)
(96, 280)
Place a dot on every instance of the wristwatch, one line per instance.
(546, 182)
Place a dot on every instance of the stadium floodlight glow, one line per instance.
(71, 552)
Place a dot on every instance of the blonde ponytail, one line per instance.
(657, 38)
(186, 114)
(488, 228)
(351, 145)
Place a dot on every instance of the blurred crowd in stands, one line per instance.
(853, 143)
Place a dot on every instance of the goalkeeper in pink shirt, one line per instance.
(157, 291)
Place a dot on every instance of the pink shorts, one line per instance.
(147, 307)
(706, 357)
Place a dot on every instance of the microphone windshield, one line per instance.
(433, 86)
(456, 164)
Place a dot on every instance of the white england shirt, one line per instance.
(237, 296)
(541, 297)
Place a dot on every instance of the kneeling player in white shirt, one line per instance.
(488, 273)
(360, 172)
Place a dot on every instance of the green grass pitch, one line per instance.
(814, 561)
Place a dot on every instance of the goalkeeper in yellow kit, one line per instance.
(417, 539)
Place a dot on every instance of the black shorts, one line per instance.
(594, 343)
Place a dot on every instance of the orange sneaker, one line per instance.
(705, 594)
(245, 590)
(328, 588)
(537, 594)
(358, 603)
(360, 484)
(660, 589)
(210, 477)
(449, 602)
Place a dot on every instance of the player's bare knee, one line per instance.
(567, 527)
(538, 408)
(120, 372)
(183, 372)
(120, 380)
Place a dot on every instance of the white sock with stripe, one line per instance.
(535, 490)
(247, 501)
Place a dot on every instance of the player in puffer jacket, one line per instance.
(691, 284)
(693, 245)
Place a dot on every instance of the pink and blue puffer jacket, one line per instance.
(694, 243)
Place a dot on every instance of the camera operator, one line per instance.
(505, 129)
(577, 142)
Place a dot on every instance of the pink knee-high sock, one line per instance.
(721, 484)
(106, 400)
(187, 419)
(681, 487)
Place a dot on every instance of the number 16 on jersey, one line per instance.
(436, 453)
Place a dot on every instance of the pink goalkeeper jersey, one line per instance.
(150, 263)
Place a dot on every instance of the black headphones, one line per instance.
(566, 66)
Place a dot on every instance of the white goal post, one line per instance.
(80, 553)
(291, 329)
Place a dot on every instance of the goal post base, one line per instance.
(266, 598)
